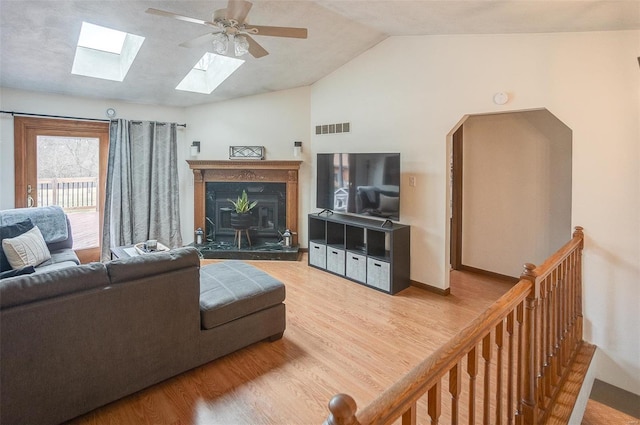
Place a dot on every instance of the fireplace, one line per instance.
(274, 184)
(268, 218)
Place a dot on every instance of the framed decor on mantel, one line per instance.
(246, 152)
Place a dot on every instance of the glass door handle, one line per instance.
(29, 197)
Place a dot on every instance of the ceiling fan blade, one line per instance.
(277, 31)
(179, 17)
(238, 10)
(256, 50)
(198, 41)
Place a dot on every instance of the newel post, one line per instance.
(530, 348)
(343, 411)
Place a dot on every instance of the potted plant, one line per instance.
(241, 218)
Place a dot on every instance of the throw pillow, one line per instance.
(17, 272)
(28, 249)
(11, 231)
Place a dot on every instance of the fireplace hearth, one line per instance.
(274, 184)
(261, 251)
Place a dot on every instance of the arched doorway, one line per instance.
(510, 190)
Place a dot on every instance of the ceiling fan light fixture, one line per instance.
(230, 25)
(241, 45)
(220, 43)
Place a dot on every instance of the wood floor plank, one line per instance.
(600, 414)
(340, 337)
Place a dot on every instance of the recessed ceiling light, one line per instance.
(208, 73)
(104, 52)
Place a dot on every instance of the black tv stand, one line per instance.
(361, 250)
(326, 210)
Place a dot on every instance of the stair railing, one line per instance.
(505, 367)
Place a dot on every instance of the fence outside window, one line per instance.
(75, 193)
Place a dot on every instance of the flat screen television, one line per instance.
(359, 183)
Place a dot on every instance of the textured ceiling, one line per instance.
(38, 38)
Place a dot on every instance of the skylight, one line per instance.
(104, 52)
(208, 73)
(101, 38)
(203, 63)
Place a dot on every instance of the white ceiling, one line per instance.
(38, 39)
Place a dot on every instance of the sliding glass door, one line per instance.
(63, 162)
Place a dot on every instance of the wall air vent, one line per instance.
(343, 127)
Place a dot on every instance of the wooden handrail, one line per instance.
(577, 242)
(537, 357)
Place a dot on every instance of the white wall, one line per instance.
(516, 188)
(407, 93)
(273, 120)
(51, 104)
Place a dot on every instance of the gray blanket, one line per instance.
(51, 221)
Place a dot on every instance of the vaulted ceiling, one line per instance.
(38, 39)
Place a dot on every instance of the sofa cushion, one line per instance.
(59, 260)
(142, 266)
(233, 289)
(62, 256)
(25, 289)
(11, 231)
(17, 272)
(47, 267)
(28, 249)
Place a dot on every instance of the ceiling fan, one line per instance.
(230, 24)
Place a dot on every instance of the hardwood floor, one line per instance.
(611, 405)
(340, 337)
(600, 414)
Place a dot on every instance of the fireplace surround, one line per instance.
(274, 184)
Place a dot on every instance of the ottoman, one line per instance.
(233, 289)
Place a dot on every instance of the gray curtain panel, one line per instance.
(142, 199)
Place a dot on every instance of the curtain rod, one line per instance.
(28, 114)
(159, 123)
